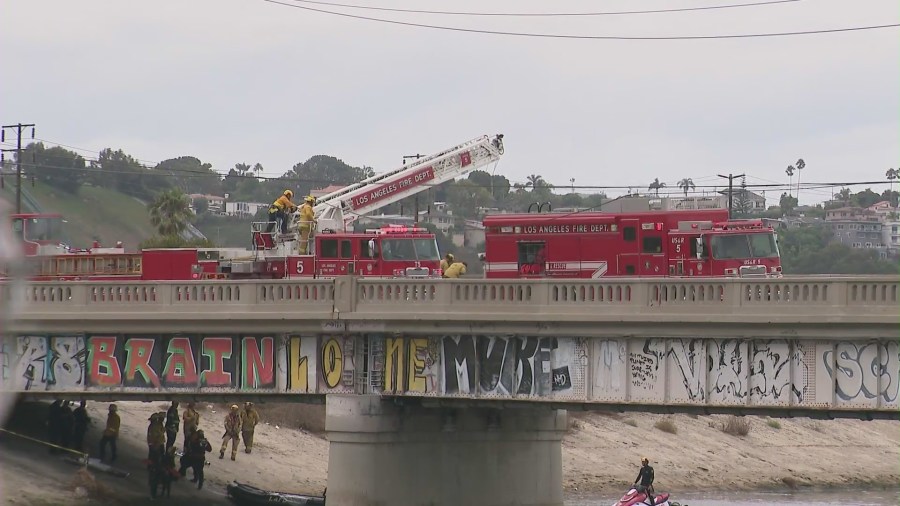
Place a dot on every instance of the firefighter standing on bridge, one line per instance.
(281, 209)
(307, 222)
(249, 419)
(232, 432)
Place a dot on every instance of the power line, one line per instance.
(585, 37)
(545, 14)
(166, 173)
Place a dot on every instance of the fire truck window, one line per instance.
(328, 248)
(629, 269)
(346, 249)
(398, 249)
(763, 245)
(531, 257)
(628, 233)
(652, 244)
(730, 246)
(426, 249)
(367, 248)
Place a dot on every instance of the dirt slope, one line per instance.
(600, 455)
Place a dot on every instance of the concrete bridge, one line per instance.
(414, 369)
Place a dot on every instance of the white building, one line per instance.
(244, 209)
(215, 203)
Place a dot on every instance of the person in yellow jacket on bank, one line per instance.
(156, 438)
(232, 432)
(249, 419)
(281, 209)
(307, 222)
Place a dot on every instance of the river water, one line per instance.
(805, 498)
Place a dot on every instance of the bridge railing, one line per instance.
(873, 295)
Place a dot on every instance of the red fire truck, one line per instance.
(656, 243)
(335, 250)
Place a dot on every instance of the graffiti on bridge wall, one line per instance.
(512, 366)
(311, 364)
(29, 363)
(697, 370)
(864, 371)
(137, 362)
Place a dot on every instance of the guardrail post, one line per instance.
(345, 294)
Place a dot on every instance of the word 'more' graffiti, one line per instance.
(864, 370)
(53, 363)
(520, 365)
(181, 362)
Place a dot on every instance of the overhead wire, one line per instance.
(547, 14)
(585, 37)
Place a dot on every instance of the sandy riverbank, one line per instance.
(600, 455)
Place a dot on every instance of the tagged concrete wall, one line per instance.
(720, 372)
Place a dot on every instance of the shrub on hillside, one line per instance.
(775, 424)
(666, 425)
(630, 421)
(736, 426)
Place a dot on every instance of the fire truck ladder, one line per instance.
(336, 210)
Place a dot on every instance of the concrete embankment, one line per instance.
(601, 454)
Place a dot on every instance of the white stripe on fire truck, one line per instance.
(569, 266)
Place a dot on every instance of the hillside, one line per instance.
(92, 213)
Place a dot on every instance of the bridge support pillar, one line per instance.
(383, 454)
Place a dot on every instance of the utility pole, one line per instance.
(18, 128)
(730, 178)
(416, 217)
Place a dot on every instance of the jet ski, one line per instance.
(247, 495)
(635, 498)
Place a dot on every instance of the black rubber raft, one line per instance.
(247, 495)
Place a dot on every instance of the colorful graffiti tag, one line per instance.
(654, 370)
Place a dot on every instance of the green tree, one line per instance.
(787, 203)
(57, 167)
(121, 172)
(201, 206)
(790, 172)
(812, 250)
(535, 182)
(322, 170)
(170, 213)
(686, 184)
(655, 186)
(465, 197)
(190, 175)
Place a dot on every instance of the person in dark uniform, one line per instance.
(172, 422)
(53, 423)
(195, 457)
(66, 425)
(645, 477)
(81, 425)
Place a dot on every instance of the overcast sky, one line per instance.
(234, 81)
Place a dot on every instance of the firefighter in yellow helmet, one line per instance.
(307, 223)
(232, 432)
(281, 210)
(455, 270)
(446, 263)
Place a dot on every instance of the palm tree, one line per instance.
(891, 175)
(686, 184)
(170, 213)
(800, 165)
(790, 172)
(534, 182)
(656, 186)
(257, 169)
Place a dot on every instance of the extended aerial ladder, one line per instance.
(337, 210)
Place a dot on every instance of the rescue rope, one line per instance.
(84, 456)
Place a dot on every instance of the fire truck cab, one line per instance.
(39, 234)
(646, 244)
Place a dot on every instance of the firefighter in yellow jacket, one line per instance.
(281, 209)
(307, 222)
(156, 438)
(446, 263)
(232, 432)
(249, 419)
(455, 270)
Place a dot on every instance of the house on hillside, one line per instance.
(756, 203)
(244, 209)
(438, 214)
(215, 203)
(324, 191)
(856, 227)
